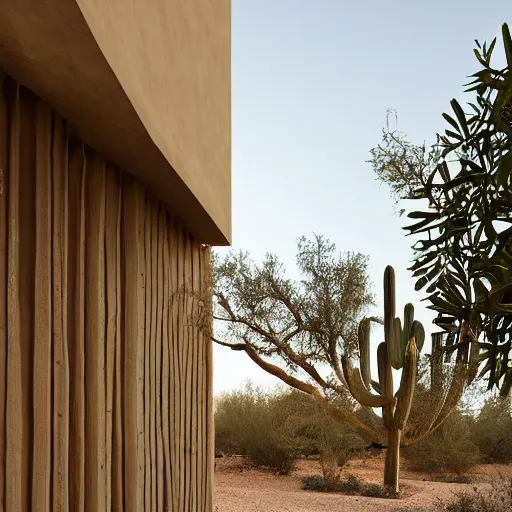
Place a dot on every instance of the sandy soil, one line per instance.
(239, 488)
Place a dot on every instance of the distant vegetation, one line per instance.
(274, 429)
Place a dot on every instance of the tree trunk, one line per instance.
(391, 468)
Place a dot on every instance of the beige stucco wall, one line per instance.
(144, 82)
(105, 350)
(173, 60)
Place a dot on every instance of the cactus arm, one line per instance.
(376, 387)
(363, 336)
(394, 345)
(359, 391)
(386, 383)
(418, 332)
(407, 327)
(407, 385)
(389, 303)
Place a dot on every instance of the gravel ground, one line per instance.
(239, 488)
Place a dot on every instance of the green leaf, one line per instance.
(418, 225)
(420, 283)
(423, 260)
(474, 107)
(474, 166)
(433, 272)
(461, 117)
(454, 135)
(489, 231)
(451, 121)
(427, 228)
(444, 172)
(504, 170)
(444, 306)
(489, 52)
(478, 233)
(423, 215)
(480, 290)
(432, 288)
(459, 268)
(481, 89)
(463, 177)
(507, 42)
(437, 241)
(477, 54)
(451, 291)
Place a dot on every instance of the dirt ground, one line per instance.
(238, 488)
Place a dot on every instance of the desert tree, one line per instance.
(296, 330)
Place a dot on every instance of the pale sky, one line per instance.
(311, 83)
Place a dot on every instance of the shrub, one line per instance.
(351, 485)
(498, 499)
(449, 448)
(245, 425)
(313, 483)
(273, 429)
(331, 470)
(375, 491)
(492, 431)
(316, 432)
(452, 479)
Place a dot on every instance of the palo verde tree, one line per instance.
(296, 330)
(464, 228)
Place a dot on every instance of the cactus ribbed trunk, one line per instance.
(400, 351)
(391, 468)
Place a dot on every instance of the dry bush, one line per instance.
(352, 485)
(331, 471)
(273, 429)
(449, 448)
(497, 499)
(318, 433)
(492, 431)
(245, 424)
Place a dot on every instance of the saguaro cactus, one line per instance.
(400, 351)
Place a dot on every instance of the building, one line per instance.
(114, 181)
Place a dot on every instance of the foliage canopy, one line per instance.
(464, 247)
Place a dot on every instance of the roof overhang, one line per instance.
(144, 82)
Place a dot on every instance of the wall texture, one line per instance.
(105, 366)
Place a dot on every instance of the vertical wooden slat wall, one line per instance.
(105, 364)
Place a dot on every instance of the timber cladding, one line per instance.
(105, 358)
